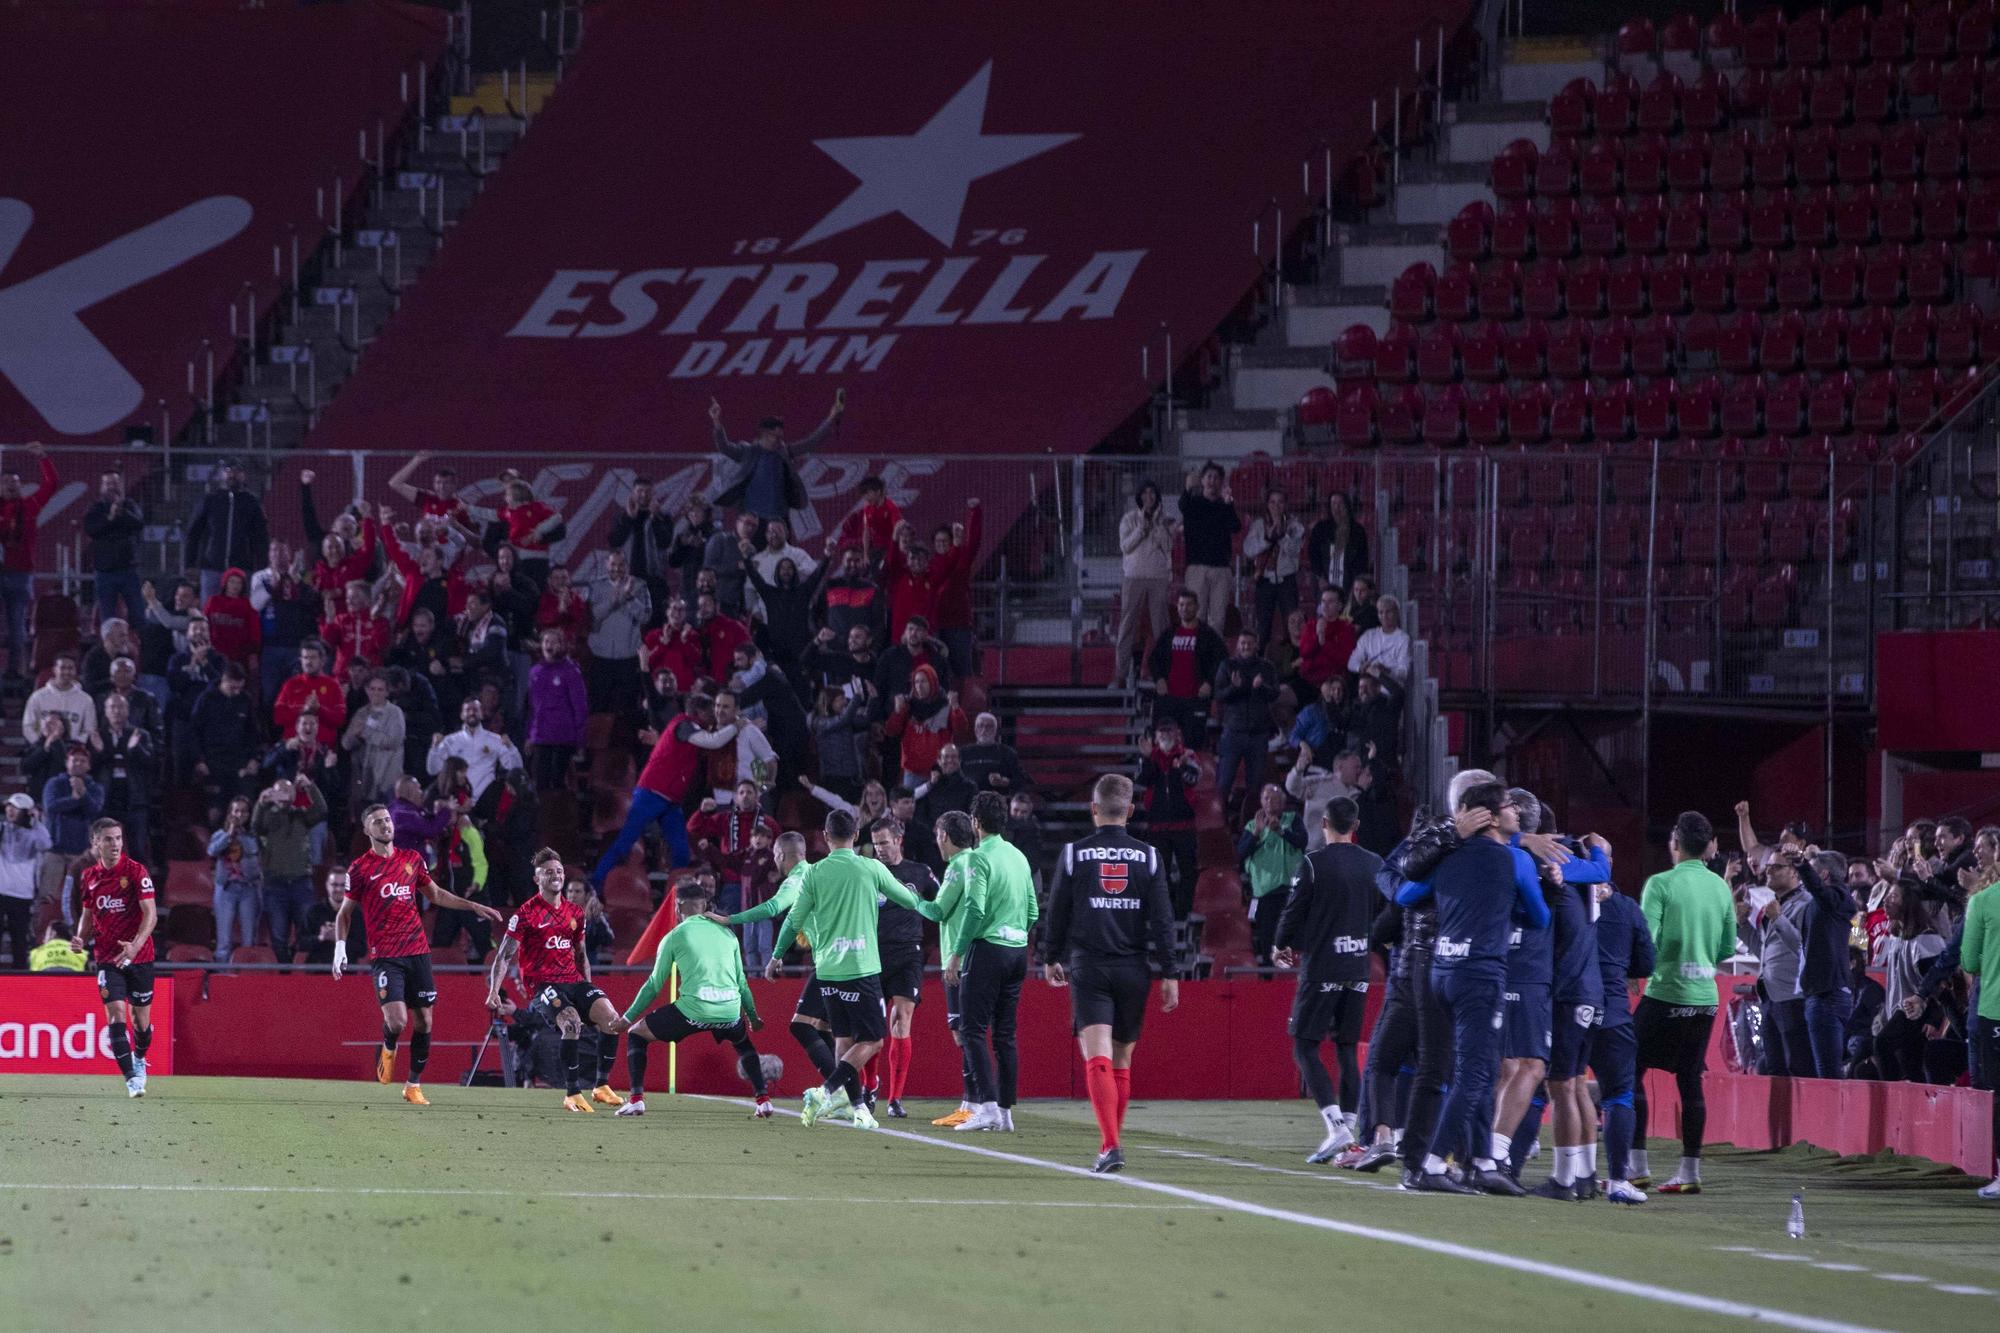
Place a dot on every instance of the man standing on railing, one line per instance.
(229, 530)
(113, 523)
(18, 515)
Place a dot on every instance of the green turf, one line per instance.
(774, 1226)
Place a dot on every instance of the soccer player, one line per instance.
(1110, 931)
(999, 910)
(546, 934)
(1477, 888)
(809, 1024)
(386, 880)
(1576, 1001)
(961, 863)
(836, 912)
(1323, 931)
(902, 934)
(1624, 951)
(1692, 918)
(118, 919)
(714, 996)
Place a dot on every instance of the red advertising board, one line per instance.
(55, 1025)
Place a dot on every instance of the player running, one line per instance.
(836, 913)
(714, 997)
(1109, 910)
(546, 933)
(902, 934)
(118, 919)
(1323, 931)
(386, 881)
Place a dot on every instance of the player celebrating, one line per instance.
(902, 935)
(1108, 910)
(386, 880)
(546, 932)
(836, 912)
(118, 920)
(714, 997)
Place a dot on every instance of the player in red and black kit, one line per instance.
(118, 920)
(386, 880)
(1108, 911)
(546, 935)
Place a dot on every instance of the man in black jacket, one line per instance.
(949, 787)
(1247, 686)
(1323, 932)
(1823, 980)
(646, 535)
(989, 763)
(1209, 524)
(113, 523)
(1109, 931)
(1184, 661)
(229, 530)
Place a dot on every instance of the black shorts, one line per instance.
(132, 983)
(552, 997)
(903, 974)
(668, 1023)
(1673, 1036)
(1109, 990)
(1328, 1010)
(1524, 1033)
(854, 1008)
(405, 980)
(811, 1007)
(954, 1010)
(1569, 1041)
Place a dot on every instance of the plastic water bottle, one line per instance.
(1795, 1225)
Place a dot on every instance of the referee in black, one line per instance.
(1109, 913)
(1323, 931)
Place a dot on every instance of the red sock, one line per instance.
(1123, 1079)
(899, 1067)
(871, 1077)
(1099, 1081)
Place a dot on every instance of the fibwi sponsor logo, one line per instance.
(714, 994)
(1448, 949)
(839, 319)
(51, 1025)
(840, 947)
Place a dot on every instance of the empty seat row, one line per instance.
(1894, 32)
(1733, 160)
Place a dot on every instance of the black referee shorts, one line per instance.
(903, 974)
(1673, 1036)
(1109, 991)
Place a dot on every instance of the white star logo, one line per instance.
(925, 176)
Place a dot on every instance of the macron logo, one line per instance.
(57, 363)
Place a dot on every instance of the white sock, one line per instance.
(1636, 1163)
(1350, 1119)
(1589, 1151)
(1331, 1116)
(1396, 1138)
(1501, 1146)
(1568, 1164)
(1690, 1170)
(1483, 1164)
(1434, 1165)
(990, 1109)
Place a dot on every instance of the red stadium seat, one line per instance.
(1481, 352)
(1920, 87)
(1598, 169)
(1743, 535)
(1437, 355)
(1555, 230)
(1831, 94)
(1785, 405)
(1982, 209)
(1910, 342)
(1771, 162)
(1598, 228)
(1625, 288)
(1583, 289)
(1653, 409)
(1667, 285)
(1729, 161)
(1542, 290)
(1468, 237)
(1528, 413)
(1611, 412)
(1659, 104)
(1570, 109)
(1611, 349)
(1770, 222)
(1827, 412)
(1944, 151)
(1486, 415)
(1513, 235)
(1982, 149)
(1615, 110)
(1652, 346)
(1812, 156)
(1399, 415)
(1736, 348)
(1444, 418)
(1854, 217)
(1569, 414)
(1868, 340)
(1933, 32)
(1957, 336)
(1555, 170)
(1854, 157)
(1805, 39)
(1513, 172)
(1700, 339)
(1499, 290)
(1354, 354)
(1847, 37)
(1889, 34)
(1396, 355)
(1778, 350)
(1318, 406)
(1643, 167)
(1752, 281)
(1875, 404)
(1455, 299)
(1824, 343)
(1840, 277)
(1929, 274)
(1643, 226)
(1975, 32)
(1796, 283)
(1742, 406)
(1410, 294)
(1727, 222)
(1749, 95)
(1680, 41)
(1917, 398)
(1568, 354)
(1812, 218)
(1527, 351)
(1687, 163)
(1959, 90)
(1354, 419)
(1698, 407)
(1901, 154)
(1882, 276)
(1941, 211)
(1896, 217)
(1687, 224)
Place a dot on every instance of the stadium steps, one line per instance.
(501, 95)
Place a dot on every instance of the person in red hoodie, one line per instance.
(358, 631)
(314, 685)
(19, 514)
(719, 635)
(235, 630)
(872, 527)
(563, 607)
(1328, 641)
(954, 552)
(926, 718)
(911, 579)
(676, 646)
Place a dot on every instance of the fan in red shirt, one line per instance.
(311, 688)
(546, 935)
(355, 632)
(441, 500)
(235, 629)
(719, 635)
(677, 647)
(872, 526)
(1327, 642)
(531, 526)
(118, 920)
(386, 880)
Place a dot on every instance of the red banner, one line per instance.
(973, 219)
(132, 218)
(55, 1025)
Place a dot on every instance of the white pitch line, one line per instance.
(1686, 1300)
(1909, 1279)
(397, 1191)
(1325, 1176)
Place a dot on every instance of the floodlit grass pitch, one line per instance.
(221, 1203)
